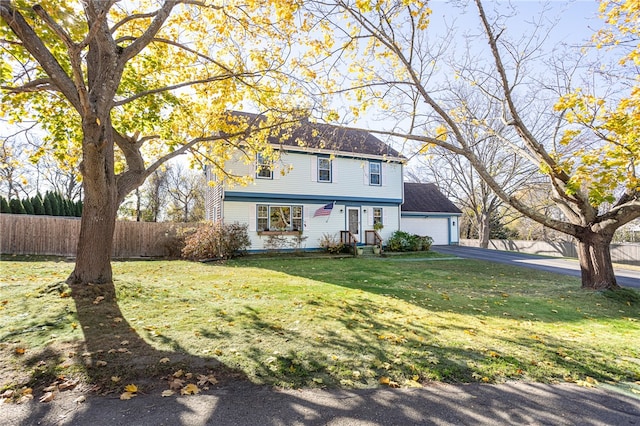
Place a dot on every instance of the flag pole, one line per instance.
(329, 215)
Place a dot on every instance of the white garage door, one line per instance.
(436, 228)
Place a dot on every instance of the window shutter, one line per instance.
(314, 168)
(334, 170)
(306, 211)
(252, 218)
(365, 168)
(383, 170)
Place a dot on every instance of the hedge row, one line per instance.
(52, 204)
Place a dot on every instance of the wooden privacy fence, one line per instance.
(628, 253)
(50, 235)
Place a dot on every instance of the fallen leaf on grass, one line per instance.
(20, 351)
(588, 382)
(98, 300)
(167, 392)
(47, 397)
(25, 398)
(101, 363)
(412, 384)
(190, 389)
(26, 394)
(115, 379)
(164, 360)
(127, 395)
(176, 384)
(205, 380)
(80, 399)
(131, 388)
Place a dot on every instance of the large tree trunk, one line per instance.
(93, 258)
(595, 261)
(484, 229)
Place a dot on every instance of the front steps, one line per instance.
(367, 251)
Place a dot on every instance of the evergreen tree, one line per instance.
(16, 206)
(69, 208)
(48, 208)
(55, 206)
(59, 203)
(28, 207)
(38, 207)
(4, 206)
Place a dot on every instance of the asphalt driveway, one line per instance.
(625, 277)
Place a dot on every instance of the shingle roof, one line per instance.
(331, 138)
(425, 197)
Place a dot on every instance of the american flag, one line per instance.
(324, 210)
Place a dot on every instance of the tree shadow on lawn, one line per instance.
(113, 355)
(485, 359)
(243, 403)
(381, 353)
(463, 296)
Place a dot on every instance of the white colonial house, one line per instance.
(325, 180)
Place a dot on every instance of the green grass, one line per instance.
(295, 322)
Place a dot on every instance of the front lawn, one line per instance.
(314, 322)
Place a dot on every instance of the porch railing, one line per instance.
(372, 238)
(349, 239)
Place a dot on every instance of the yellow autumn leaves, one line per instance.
(180, 382)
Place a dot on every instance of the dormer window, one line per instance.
(324, 169)
(375, 173)
(264, 167)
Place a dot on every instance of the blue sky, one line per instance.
(577, 20)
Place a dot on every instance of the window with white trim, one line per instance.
(324, 169)
(377, 215)
(375, 173)
(279, 218)
(264, 167)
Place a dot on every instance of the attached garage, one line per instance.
(426, 211)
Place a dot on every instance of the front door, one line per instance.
(353, 221)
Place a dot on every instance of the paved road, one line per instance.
(439, 404)
(625, 277)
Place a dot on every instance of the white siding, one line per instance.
(313, 227)
(302, 179)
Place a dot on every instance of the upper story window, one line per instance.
(264, 167)
(279, 218)
(324, 169)
(375, 173)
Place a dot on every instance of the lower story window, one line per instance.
(377, 215)
(279, 218)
